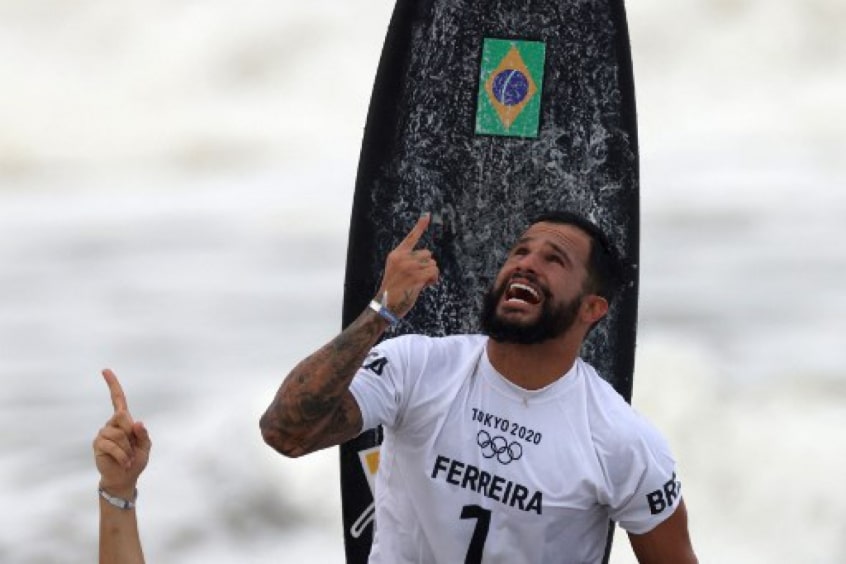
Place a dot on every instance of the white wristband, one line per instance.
(384, 312)
(118, 502)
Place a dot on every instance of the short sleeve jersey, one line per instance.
(476, 469)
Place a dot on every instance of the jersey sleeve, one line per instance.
(643, 487)
(378, 386)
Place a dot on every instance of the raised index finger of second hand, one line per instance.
(416, 232)
(118, 397)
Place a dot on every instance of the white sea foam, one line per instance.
(175, 181)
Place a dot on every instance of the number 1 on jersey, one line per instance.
(480, 533)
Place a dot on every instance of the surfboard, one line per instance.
(486, 114)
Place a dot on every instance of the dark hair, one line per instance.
(605, 269)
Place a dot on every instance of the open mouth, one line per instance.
(517, 292)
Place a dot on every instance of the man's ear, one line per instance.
(593, 308)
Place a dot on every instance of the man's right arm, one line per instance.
(313, 408)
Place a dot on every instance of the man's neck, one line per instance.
(533, 367)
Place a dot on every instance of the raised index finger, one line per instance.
(118, 397)
(416, 232)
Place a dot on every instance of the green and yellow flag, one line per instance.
(510, 85)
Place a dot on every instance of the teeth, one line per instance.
(529, 289)
(516, 288)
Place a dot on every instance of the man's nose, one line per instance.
(528, 262)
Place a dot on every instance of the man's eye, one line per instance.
(556, 259)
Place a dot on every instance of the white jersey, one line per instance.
(476, 469)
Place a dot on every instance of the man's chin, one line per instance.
(516, 329)
(520, 312)
(517, 336)
(517, 322)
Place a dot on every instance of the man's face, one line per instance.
(538, 293)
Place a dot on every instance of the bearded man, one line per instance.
(499, 447)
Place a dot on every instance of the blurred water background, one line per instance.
(175, 183)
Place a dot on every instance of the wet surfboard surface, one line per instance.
(485, 114)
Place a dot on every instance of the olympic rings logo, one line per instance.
(498, 447)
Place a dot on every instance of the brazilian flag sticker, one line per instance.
(510, 85)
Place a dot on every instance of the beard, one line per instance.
(552, 322)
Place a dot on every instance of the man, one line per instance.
(121, 451)
(499, 448)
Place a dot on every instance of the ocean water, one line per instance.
(175, 183)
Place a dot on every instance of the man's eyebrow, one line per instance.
(560, 250)
(556, 247)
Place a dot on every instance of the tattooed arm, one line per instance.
(313, 408)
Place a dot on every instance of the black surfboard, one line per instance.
(486, 113)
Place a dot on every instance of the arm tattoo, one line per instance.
(313, 408)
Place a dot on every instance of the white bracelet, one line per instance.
(384, 312)
(119, 502)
